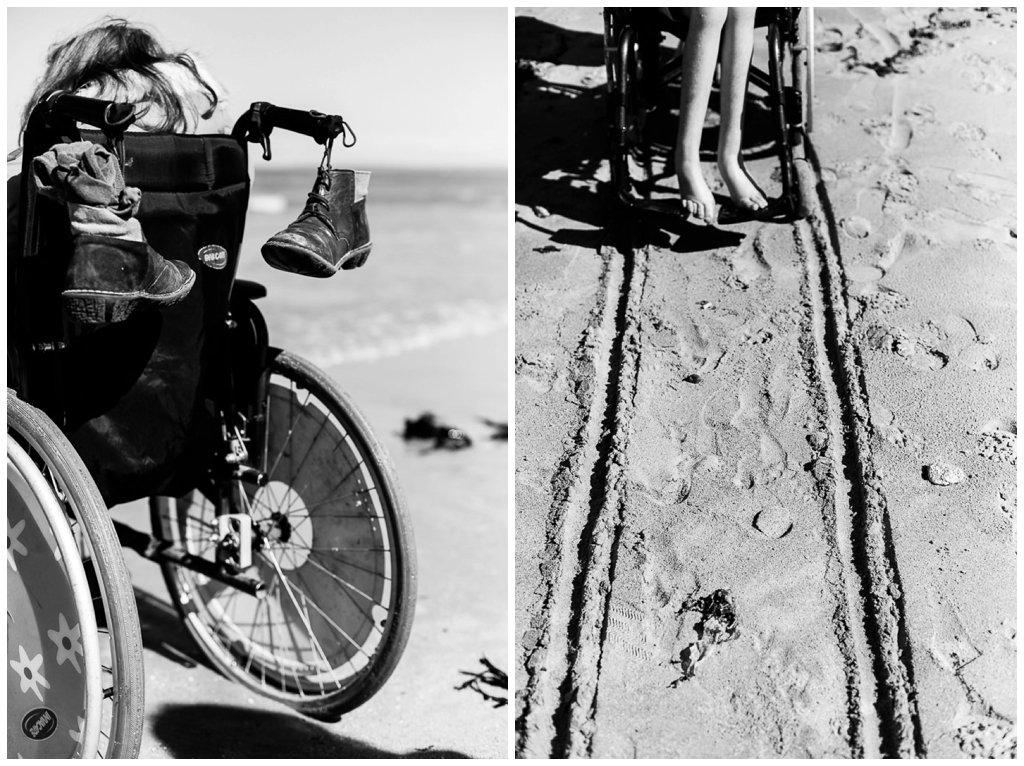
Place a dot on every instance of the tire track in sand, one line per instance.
(872, 552)
(869, 622)
(551, 664)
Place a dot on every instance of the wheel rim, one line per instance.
(323, 546)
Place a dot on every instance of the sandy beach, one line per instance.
(770, 469)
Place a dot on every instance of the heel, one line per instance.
(87, 308)
(357, 257)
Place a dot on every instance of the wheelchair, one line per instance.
(275, 513)
(638, 79)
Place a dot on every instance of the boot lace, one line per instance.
(317, 205)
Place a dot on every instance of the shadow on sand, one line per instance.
(562, 144)
(225, 731)
(164, 633)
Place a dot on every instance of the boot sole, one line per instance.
(101, 307)
(314, 265)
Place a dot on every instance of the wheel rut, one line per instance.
(622, 588)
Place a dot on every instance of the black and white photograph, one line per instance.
(258, 368)
(765, 382)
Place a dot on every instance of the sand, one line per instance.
(765, 477)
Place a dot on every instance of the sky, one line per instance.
(420, 87)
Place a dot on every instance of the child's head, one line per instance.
(120, 61)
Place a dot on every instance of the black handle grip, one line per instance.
(319, 127)
(105, 115)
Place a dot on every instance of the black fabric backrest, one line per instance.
(137, 393)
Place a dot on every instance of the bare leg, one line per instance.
(737, 48)
(699, 56)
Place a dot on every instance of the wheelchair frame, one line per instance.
(636, 78)
(244, 391)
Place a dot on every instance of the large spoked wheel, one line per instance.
(332, 543)
(78, 633)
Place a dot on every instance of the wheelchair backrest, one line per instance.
(135, 396)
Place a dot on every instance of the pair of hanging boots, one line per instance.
(113, 270)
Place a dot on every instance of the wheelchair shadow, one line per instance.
(164, 633)
(561, 132)
(562, 143)
(225, 731)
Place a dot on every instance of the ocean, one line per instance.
(437, 271)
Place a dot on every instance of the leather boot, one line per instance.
(331, 232)
(113, 270)
(109, 277)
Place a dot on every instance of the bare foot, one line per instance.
(741, 189)
(698, 200)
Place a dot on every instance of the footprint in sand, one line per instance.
(913, 350)
(920, 114)
(988, 75)
(855, 226)
(748, 262)
(967, 132)
(686, 348)
(899, 185)
(661, 628)
(905, 248)
(774, 522)
(998, 441)
(878, 298)
(627, 629)
(767, 414)
(966, 346)
(980, 359)
(665, 476)
(972, 135)
(538, 372)
(885, 424)
(894, 138)
(986, 153)
(987, 737)
(666, 484)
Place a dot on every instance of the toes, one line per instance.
(694, 209)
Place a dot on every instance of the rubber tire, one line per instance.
(43, 439)
(329, 707)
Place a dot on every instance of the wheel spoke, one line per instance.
(346, 583)
(303, 613)
(341, 483)
(328, 620)
(360, 609)
(344, 562)
(339, 498)
(288, 438)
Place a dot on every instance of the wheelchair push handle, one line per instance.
(105, 115)
(319, 127)
(258, 123)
